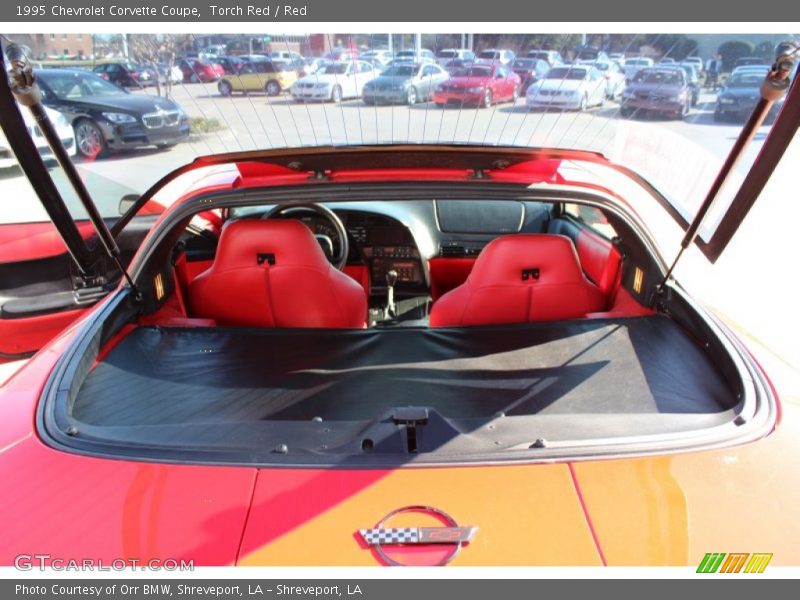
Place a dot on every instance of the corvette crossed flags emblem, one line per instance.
(417, 535)
(450, 534)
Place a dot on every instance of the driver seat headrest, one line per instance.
(279, 242)
(273, 273)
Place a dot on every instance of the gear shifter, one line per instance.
(391, 308)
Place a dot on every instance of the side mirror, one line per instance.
(126, 202)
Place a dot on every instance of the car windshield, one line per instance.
(658, 77)
(566, 73)
(678, 155)
(747, 79)
(400, 71)
(71, 85)
(333, 69)
(476, 71)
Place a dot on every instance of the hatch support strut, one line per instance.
(773, 88)
(25, 89)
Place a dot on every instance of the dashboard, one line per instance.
(381, 243)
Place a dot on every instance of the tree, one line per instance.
(765, 50)
(152, 49)
(733, 50)
(677, 46)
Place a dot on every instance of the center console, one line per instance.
(404, 260)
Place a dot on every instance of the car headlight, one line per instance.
(726, 100)
(61, 121)
(119, 118)
(322, 86)
(475, 90)
(145, 75)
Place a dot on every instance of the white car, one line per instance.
(632, 66)
(614, 76)
(423, 56)
(335, 81)
(574, 87)
(448, 54)
(379, 58)
(495, 56)
(696, 62)
(286, 56)
(63, 127)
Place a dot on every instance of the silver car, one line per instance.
(405, 82)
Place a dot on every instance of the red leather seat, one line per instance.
(273, 273)
(520, 278)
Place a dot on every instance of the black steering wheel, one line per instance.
(340, 259)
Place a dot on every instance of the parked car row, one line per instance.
(639, 85)
(94, 112)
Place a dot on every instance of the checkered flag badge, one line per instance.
(393, 535)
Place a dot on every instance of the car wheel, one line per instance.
(625, 111)
(225, 88)
(683, 112)
(273, 88)
(194, 78)
(487, 99)
(584, 103)
(411, 96)
(89, 139)
(515, 95)
(336, 94)
(439, 104)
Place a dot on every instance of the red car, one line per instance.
(198, 71)
(482, 85)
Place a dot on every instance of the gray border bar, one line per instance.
(389, 589)
(365, 11)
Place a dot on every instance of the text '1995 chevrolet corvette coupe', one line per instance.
(385, 354)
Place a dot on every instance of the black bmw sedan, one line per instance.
(105, 117)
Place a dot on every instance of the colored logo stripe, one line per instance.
(710, 562)
(713, 562)
(734, 562)
(758, 563)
